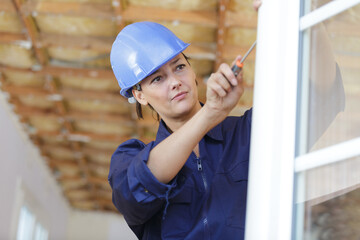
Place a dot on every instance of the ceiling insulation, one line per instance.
(54, 63)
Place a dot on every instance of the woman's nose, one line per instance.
(174, 82)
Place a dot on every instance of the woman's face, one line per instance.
(171, 90)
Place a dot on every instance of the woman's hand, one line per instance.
(223, 92)
(257, 4)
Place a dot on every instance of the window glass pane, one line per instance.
(40, 232)
(331, 64)
(26, 224)
(329, 201)
(318, 3)
(311, 5)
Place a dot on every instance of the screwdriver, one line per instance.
(239, 63)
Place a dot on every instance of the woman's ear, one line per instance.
(139, 96)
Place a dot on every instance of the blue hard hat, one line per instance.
(139, 50)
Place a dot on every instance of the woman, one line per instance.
(191, 182)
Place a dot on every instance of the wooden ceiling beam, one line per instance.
(29, 24)
(119, 7)
(220, 35)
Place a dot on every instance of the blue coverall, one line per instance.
(206, 200)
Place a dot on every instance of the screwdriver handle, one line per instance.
(237, 67)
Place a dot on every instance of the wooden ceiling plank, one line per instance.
(97, 117)
(131, 13)
(102, 44)
(22, 91)
(81, 163)
(7, 6)
(84, 135)
(207, 18)
(239, 19)
(79, 72)
(92, 95)
(56, 71)
(66, 93)
(71, 116)
(78, 9)
(6, 37)
(57, 162)
(98, 180)
(60, 162)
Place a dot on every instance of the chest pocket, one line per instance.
(178, 219)
(240, 172)
(232, 192)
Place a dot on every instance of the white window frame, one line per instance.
(273, 160)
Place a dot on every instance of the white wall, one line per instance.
(24, 177)
(96, 225)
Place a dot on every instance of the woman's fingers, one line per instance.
(223, 81)
(219, 84)
(225, 70)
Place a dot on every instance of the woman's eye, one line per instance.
(181, 66)
(156, 79)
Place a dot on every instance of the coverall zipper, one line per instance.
(205, 220)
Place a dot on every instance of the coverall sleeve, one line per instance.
(137, 194)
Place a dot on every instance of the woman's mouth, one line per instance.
(179, 96)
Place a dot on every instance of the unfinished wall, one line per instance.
(24, 177)
(21, 165)
(105, 226)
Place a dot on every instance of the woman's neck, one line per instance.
(173, 124)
